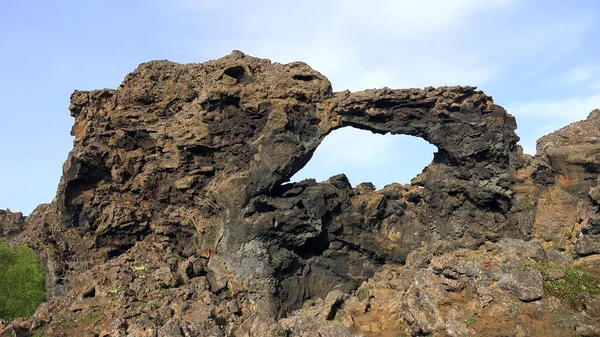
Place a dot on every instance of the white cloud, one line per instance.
(410, 19)
(552, 115)
(545, 46)
(582, 73)
(359, 44)
(364, 156)
(353, 146)
(529, 141)
(568, 110)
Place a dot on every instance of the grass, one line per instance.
(115, 290)
(90, 316)
(141, 272)
(141, 269)
(469, 320)
(64, 322)
(574, 286)
(139, 304)
(22, 288)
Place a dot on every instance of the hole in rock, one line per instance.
(236, 72)
(305, 78)
(368, 157)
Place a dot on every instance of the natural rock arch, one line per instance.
(197, 154)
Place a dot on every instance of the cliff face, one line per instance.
(173, 217)
(11, 224)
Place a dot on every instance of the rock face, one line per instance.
(173, 216)
(11, 224)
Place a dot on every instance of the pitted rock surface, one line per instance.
(197, 153)
(11, 224)
(174, 208)
(574, 153)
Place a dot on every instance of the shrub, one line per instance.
(574, 286)
(22, 287)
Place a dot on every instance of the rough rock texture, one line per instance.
(173, 217)
(574, 152)
(11, 224)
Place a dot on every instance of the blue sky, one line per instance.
(537, 58)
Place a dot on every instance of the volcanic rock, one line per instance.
(11, 224)
(174, 217)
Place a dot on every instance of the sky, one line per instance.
(537, 58)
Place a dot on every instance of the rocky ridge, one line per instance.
(173, 216)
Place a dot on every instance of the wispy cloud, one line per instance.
(541, 48)
(360, 44)
(357, 147)
(583, 73)
(551, 115)
(570, 109)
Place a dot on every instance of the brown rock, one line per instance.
(11, 224)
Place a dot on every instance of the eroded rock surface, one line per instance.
(11, 224)
(173, 216)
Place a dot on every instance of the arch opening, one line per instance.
(365, 156)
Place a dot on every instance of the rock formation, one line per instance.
(173, 216)
(11, 224)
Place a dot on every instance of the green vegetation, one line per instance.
(139, 304)
(22, 287)
(115, 290)
(574, 286)
(141, 272)
(568, 321)
(514, 311)
(91, 315)
(64, 322)
(141, 269)
(469, 320)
